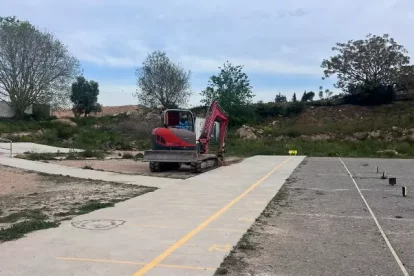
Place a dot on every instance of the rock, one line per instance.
(321, 137)
(361, 135)
(152, 116)
(246, 133)
(374, 134)
(39, 132)
(394, 128)
(281, 138)
(260, 131)
(269, 135)
(66, 122)
(95, 126)
(274, 123)
(390, 152)
(409, 138)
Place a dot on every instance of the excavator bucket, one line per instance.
(175, 156)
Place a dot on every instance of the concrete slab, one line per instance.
(20, 148)
(87, 174)
(181, 229)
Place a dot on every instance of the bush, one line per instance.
(293, 109)
(266, 110)
(127, 155)
(360, 95)
(92, 154)
(41, 111)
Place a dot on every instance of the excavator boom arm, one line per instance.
(215, 113)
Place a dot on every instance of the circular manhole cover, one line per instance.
(97, 224)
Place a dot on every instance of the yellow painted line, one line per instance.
(203, 225)
(180, 227)
(210, 207)
(134, 263)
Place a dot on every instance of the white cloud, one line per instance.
(267, 36)
(198, 64)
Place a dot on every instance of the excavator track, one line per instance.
(155, 166)
(196, 167)
(205, 162)
(163, 166)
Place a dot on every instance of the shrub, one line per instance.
(127, 155)
(293, 109)
(361, 95)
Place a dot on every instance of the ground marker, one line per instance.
(404, 191)
(383, 175)
(377, 170)
(392, 181)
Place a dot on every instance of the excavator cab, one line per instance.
(178, 118)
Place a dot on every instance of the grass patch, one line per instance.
(92, 206)
(36, 156)
(85, 154)
(25, 214)
(18, 230)
(268, 146)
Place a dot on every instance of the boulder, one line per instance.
(361, 135)
(246, 133)
(374, 134)
(66, 122)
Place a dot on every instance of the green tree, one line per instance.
(308, 96)
(405, 82)
(373, 62)
(35, 67)
(294, 98)
(84, 96)
(280, 98)
(162, 82)
(231, 87)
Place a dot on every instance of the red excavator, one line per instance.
(176, 142)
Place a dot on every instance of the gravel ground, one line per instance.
(129, 166)
(57, 197)
(318, 223)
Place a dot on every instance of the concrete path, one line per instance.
(20, 148)
(87, 174)
(182, 229)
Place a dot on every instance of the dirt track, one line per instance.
(129, 166)
(56, 197)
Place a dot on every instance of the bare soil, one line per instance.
(130, 166)
(54, 198)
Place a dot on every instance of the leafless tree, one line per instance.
(162, 82)
(35, 67)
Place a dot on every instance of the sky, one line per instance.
(281, 44)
